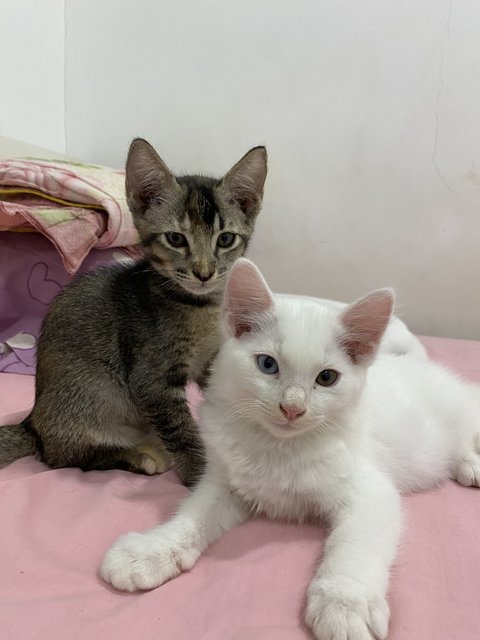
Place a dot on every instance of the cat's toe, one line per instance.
(467, 471)
(154, 464)
(149, 457)
(346, 613)
(379, 616)
(140, 561)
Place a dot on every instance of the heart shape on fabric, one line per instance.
(40, 287)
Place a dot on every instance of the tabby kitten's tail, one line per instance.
(16, 441)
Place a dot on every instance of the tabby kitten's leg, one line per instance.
(347, 597)
(167, 411)
(144, 458)
(151, 454)
(203, 378)
(147, 560)
(148, 457)
(92, 425)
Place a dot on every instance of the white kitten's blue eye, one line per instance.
(327, 377)
(267, 364)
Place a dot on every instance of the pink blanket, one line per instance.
(250, 585)
(77, 206)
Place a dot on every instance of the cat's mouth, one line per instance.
(286, 428)
(199, 288)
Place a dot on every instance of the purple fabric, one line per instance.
(31, 275)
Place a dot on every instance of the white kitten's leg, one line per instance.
(346, 600)
(147, 560)
(466, 469)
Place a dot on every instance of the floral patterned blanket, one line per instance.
(76, 206)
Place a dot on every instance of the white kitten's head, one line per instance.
(289, 363)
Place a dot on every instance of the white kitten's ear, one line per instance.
(247, 298)
(244, 182)
(363, 324)
(148, 180)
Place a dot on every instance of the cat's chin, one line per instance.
(200, 289)
(285, 430)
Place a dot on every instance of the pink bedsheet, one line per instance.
(250, 585)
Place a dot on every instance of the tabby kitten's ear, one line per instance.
(244, 182)
(363, 325)
(148, 180)
(247, 299)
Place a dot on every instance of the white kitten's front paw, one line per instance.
(142, 561)
(344, 610)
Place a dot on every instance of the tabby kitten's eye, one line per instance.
(327, 377)
(176, 240)
(267, 364)
(225, 240)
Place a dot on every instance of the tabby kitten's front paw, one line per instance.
(142, 561)
(190, 466)
(339, 609)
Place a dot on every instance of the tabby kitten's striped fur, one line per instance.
(120, 343)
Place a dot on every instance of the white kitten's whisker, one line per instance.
(331, 425)
(248, 409)
(242, 412)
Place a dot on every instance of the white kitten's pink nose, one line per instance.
(291, 411)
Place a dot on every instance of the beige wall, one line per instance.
(32, 53)
(370, 111)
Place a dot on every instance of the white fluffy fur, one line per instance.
(394, 422)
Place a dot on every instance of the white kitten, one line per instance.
(305, 418)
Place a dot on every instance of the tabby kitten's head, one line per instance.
(193, 228)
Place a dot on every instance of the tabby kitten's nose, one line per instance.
(291, 412)
(203, 276)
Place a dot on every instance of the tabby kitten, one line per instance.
(120, 343)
